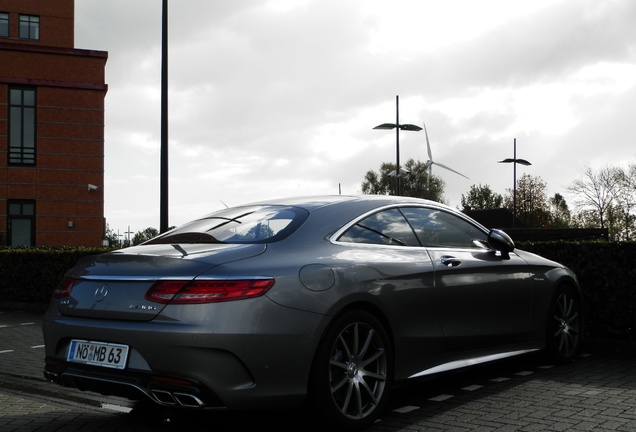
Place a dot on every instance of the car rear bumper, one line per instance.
(241, 363)
(135, 386)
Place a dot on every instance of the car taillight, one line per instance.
(207, 291)
(64, 288)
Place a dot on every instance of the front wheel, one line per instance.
(565, 325)
(351, 376)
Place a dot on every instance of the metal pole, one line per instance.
(163, 218)
(397, 127)
(514, 185)
(397, 145)
(515, 161)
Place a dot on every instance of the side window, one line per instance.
(4, 24)
(29, 27)
(21, 223)
(387, 227)
(22, 108)
(436, 228)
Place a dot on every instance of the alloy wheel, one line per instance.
(357, 370)
(566, 325)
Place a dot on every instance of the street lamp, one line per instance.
(515, 161)
(163, 180)
(397, 126)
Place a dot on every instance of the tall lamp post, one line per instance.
(163, 210)
(397, 126)
(515, 161)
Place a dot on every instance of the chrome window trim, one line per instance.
(334, 237)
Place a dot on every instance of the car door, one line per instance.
(384, 257)
(484, 297)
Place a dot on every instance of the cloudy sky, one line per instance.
(279, 98)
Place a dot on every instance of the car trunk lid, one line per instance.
(113, 285)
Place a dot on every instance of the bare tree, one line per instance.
(596, 191)
(625, 197)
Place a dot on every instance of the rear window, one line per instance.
(253, 224)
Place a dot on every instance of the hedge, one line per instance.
(606, 273)
(31, 274)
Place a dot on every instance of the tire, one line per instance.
(352, 372)
(565, 325)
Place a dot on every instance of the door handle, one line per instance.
(450, 261)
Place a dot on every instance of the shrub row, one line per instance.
(31, 274)
(606, 272)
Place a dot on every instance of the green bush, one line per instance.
(606, 273)
(31, 274)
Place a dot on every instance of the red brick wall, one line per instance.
(70, 86)
(57, 20)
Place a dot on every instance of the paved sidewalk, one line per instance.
(28, 402)
(597, 392)
(22, 359)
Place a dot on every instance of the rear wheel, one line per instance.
(351, 376)
(565, 325)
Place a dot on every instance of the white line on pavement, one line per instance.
(405, 409)
(117, 408)
(441, 398)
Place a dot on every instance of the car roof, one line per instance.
(313, 202)
(339, 209)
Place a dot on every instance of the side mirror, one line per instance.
(501, 241)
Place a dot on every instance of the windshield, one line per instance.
(254, 224)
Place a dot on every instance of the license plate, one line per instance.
(98, 353)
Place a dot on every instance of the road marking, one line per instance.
(405, 409)
(37, 346)
(441, 397)
(16, 325)
(500, 379)
(6, 351)
(472, 387)
(118, 408)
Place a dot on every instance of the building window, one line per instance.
(21, 126)
(21, 223)
(4, 24)
(30, 27)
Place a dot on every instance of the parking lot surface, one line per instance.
(596, 392)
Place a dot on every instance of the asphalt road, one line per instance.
(596, 392)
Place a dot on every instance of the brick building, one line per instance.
(51, 128)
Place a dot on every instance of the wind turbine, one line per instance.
(402, 172)
(430, 161)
